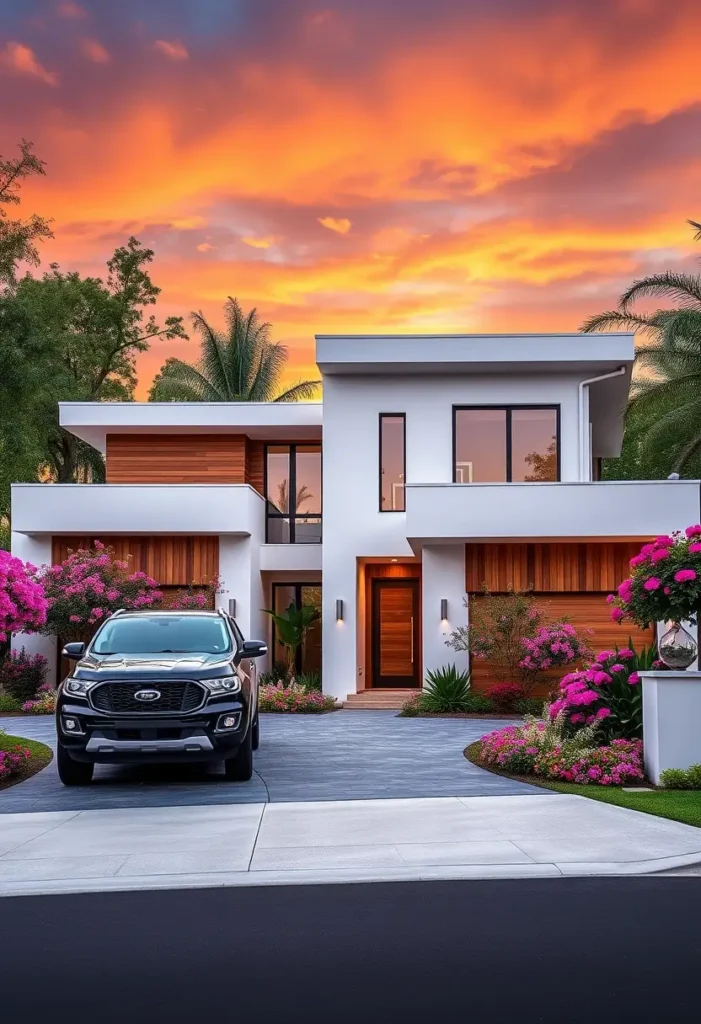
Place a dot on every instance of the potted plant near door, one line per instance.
(665, 586)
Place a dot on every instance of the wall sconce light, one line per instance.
(339, 609)
(232, 607)
(444, 608)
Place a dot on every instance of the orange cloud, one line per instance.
(95, 51)
(171, 48)
(259, 243)
(205, 247)
(21, 59)
(341, 225)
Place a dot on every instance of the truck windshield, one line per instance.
(163, 634)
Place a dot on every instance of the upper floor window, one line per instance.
(293, 493)
(392, 462)
(493, 444)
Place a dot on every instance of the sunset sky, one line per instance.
(363, 165)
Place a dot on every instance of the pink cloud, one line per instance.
(95, 51)
(71, 10)
(22, 59)
(171, 48)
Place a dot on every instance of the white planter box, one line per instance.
(671, 721)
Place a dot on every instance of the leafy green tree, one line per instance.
(292, 627)
(19, 238)
(241, 364)
(663, 419)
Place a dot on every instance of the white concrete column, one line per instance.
(442, 578)
(671, 717)
(37, 550)
(338, 651)
(239, 569)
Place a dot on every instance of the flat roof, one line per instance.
(92, 421)
(474, 353)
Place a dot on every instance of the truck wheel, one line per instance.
(70, 772)
(239, 768)
(255, 737)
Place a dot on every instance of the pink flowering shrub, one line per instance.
(44, 704)
(12, 758)
(293, 698)
(607, 692)
(87, 587)
(505, 696)
(543, 749)
(555, 645)
(22, 674)
(23, 604)
(664, 583)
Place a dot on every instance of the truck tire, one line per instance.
(70, 772)
(239, 768)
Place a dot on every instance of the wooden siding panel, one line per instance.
(578, 567)
(255, 465)
(172, 561)
(176, 459)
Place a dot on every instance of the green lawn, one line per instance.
(677, 804)
(41, 755)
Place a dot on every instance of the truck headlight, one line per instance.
(77, 687)
(230, 684)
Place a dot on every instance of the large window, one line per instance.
(392, 462)
(293, 493)
(505, 444)
(308, 657)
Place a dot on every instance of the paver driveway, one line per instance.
(346, 755)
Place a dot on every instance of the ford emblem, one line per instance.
(147, 695)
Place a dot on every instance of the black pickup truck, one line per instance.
(157, 687)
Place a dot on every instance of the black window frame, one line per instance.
(292, 517)
(298, 588)
(381, 417)
(509, 409)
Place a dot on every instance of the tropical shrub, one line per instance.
(87, 587)
(682, 778)
(664, 583)
(294, 698)
(12, 757)
(43, 704)
(544, 749)
(473, 703)
(506, 696)
(446, 690)
(310, 681)
(608, 691)
(22, 674)
(292, 626)
(511, 631)
(23, 604)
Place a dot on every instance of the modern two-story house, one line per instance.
(435, 465)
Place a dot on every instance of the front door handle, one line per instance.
(411, 622)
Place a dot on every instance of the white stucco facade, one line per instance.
(423, 379)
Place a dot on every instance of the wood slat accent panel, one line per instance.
(172, 561)
(587, 567)
(255, 465)
(584, 611)
(396, 634)
(176, 459)
(385, 570)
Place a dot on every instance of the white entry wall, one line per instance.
(442, 579)
(35, 548)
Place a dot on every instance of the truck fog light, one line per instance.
(228, 722)
(71, 724)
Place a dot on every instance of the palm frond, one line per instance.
(302, 391)
(683, 288)
(615, 320)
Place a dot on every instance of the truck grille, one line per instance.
(176, 696)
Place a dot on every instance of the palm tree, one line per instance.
(241, 364)
(663, 419)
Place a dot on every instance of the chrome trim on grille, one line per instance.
(149, 707)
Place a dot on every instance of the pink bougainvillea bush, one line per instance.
(553, 645)
(23, 604)
(607, 692)
(664, 583)
(87, 587)
(294, 698)
(12, 760)
(22, 674)
(543, 749)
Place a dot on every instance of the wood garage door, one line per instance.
(584, 611)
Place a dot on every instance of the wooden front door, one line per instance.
(395, 633)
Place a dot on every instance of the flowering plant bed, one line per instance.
(20, 759)
(294, 699)
(43, 704)
(665, 581)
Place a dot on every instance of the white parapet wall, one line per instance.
(671, 721)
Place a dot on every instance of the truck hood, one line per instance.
(161, 666)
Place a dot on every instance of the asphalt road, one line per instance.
(492, 951)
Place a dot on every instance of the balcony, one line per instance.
(138, 508)
(441, 513)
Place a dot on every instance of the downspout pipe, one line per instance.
(583, 432)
